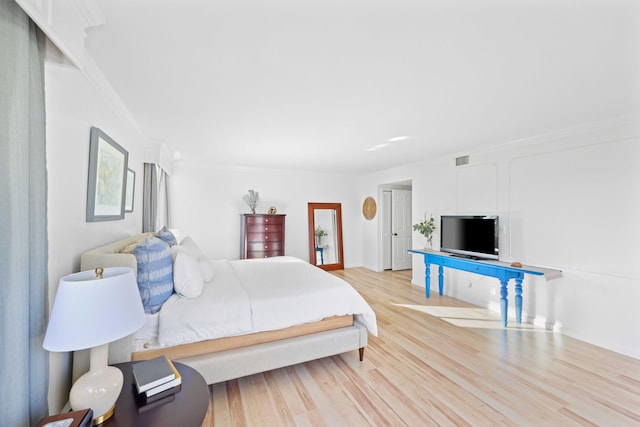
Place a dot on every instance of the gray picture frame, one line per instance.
(131, 191)
(106, 189)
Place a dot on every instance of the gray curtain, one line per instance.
(24, 364)
(163, 201)
(155, 199)
(149, 198)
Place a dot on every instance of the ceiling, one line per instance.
(330, 85)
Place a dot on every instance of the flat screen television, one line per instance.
(470, 236)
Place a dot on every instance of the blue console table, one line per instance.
(500, 270)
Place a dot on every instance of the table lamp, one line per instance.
(90, 311)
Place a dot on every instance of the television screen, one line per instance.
(470, 236)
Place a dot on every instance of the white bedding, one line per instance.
(249, 296)
(150, 329)
(222, 310)
(287, 291)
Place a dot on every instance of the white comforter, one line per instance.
(257, 295)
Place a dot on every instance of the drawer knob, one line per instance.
(266, 229)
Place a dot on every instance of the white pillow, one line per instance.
(187, 276)
(187, 245)
(206, 268)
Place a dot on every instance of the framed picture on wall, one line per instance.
(131, 185)
(106, 189)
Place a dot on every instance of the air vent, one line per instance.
(462, 160)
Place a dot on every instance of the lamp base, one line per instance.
(104, 417)
(99, 388)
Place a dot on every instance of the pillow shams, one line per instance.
(155, 272)
(206, 267)
(187, 277)
(188, 246)
(166, 235)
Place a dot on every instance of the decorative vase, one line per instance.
(428, 243)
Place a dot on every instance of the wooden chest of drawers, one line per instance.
(262, 235)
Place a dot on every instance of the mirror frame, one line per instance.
(311, 208)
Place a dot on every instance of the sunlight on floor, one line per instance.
(467, 317)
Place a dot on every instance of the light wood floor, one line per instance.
(439, 362)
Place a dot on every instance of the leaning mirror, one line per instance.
(325, 235)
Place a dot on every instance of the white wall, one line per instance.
(207, 203)
(73, 106)
(207, 200)
(567, 200)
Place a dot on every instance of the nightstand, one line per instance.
(187, 409)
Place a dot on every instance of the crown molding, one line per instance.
(95, 76)
(629, 122)
(65, 23)
(91, 12)
(609, 129)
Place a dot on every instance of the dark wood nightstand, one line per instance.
(187, 409)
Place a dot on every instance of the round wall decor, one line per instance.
(369, 208)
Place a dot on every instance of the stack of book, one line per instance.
(157, 381)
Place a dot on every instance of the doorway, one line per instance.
(396, 226)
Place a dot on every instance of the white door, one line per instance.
(387, 238)
(401, 229)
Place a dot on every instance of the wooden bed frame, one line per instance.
(233, 357)
(230, 343)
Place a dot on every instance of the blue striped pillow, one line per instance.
(155, 272)
(166, 235)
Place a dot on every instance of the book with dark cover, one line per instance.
(145, 400)
(156, 403)
(152, 373)
(165, 386)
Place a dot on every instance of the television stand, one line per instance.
(500, 270)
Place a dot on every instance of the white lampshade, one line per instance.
(90, 312)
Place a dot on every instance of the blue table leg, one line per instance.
(519, 299)
(427, 278)
(440, 279)
(504, 304)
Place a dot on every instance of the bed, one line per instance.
(251, 316)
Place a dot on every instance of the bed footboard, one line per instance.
(231, 364)
(183, 351)
(239, 362)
